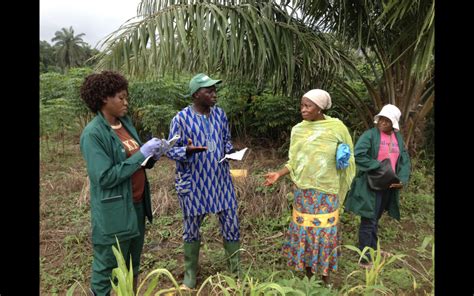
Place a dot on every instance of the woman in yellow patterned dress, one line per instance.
(312, 236)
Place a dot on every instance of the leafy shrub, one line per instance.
(155, 119)
(236, 99)
(154, 103)
(75, 78)
(55, 119)
(52, 86)
(273, 116)
(163, 91)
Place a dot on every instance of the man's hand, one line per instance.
(190, 149)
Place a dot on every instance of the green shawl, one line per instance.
(312, 156)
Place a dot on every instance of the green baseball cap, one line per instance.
(200, 80)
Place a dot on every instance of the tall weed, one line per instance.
(372, 274)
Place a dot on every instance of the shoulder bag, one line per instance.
(383, 177)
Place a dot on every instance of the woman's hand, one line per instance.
(151, 147)
(271, 178)
(396, 185)
(190, 149)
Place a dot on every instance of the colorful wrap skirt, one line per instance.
(312, 236)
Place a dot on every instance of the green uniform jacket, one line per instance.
(110, 171)
(361, 199)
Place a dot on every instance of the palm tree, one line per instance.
(70, 52)
(396, 37)
(290, 46)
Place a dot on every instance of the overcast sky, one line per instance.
(95, 18)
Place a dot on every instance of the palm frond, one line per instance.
(252, 40)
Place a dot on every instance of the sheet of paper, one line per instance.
(173, 140)
(236, 155)
(145, 161)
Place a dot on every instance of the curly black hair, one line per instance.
(98, 86)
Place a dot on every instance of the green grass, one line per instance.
(65, 244)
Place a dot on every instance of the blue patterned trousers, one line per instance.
(227, 218)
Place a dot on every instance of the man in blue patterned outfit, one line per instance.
(203, 184)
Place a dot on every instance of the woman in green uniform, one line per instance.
(119, 190)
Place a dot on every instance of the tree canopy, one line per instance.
(57, 57)
(291, 46)
(69, 47)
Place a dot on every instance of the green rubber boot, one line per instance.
(191, 257)
(232, 254)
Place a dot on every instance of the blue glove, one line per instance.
(343, 154)
(162, 150)
(150, 147)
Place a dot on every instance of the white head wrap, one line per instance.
(392, 113)
(319, 97)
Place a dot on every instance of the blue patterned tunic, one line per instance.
(203, 184)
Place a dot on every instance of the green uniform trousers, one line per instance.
(104, 260)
